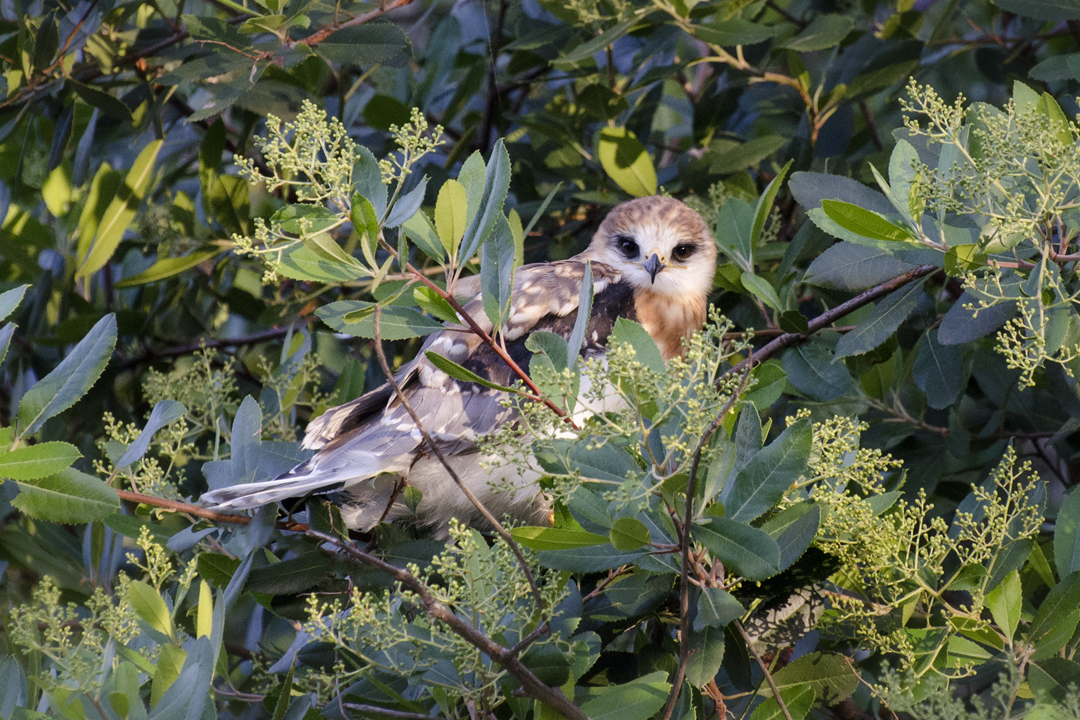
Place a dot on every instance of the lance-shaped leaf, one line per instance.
(407, 205)
(497, 257)
(864, 222)
(396, 322)
(10, 300)
(769, 473)
(577, 335)
(938, 371)
(165, 412)
(765, 202)
(746, 550)
(120, 212)
(542, 538)
(169, 267)
(367, 180)
(489, 209)
(69, 496)
(37, 461)
(626, 161)
(716, 608)
(71, 379)
(882, 322)
(458, 372)
(419, 229)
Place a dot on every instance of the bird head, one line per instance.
(658, 244)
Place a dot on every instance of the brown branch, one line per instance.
(764, 669)
(199, 511)
(498, 526)
(318, 37)
(684, 543)
(493, 88)
(532, 685)
(830, 316)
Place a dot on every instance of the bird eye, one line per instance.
(628, 247)
(682, 252)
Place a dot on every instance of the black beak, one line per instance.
(653, 266)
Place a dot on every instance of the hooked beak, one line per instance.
(653, 266)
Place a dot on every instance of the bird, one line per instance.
(653, 261)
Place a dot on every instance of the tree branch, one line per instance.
(829, 317)
(199, 511)
(321, 35)
(532, 685)
(152, 354)
(764, 669)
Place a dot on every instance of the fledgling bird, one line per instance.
(653, 261)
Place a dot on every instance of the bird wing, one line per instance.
(375, 434)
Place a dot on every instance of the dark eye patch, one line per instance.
(683, 251)
(627, 246)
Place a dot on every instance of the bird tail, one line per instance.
(316, 476)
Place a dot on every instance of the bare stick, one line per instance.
(450, 470)
(199, 511)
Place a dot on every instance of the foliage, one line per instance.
(853, 493)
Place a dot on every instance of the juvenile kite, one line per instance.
(653, 261)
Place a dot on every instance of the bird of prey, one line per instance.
(653, 260)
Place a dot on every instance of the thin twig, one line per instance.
(829, 317)
(199, 511)
(531, 684)
(764, 669)
(498, 526)
(317, 37)
(684, 543)
(152, 354)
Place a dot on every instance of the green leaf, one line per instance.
(938, 371)
(544, 538)
(716, 608)
(581, 322)
(10, 300)
(70, 380)
(746, 550)
(794, 529)
(730, 156)
(169, 267)
(628, 534)
(733, 31)
(1005, 602)
(305, 219)
(1067, 535)
(497, 265)
(366, 222)
(67, 497)
(601, 102)
(408, 204)
(451, 211)
(37, 461)
(1058, 611)
(831, 676)
(1052, 10)
(847, 266)
(882, 322)
(150, 606)
(963, 258)
(765, 202)
(586, 50)
(121, 211)
(365, 45)
(300, 262)
(706, 655)
(170, 661)
(431, 303)
(810, 370)
(605, 463)
(798, 700)
(163, 414)
(229, 202)
(490, 207)
(637, 337)
(356, 317)
(733, 232)
(769, 473)
(864, 222)
(761, 289)
(291, 576)
(636, 700)
(419, 229)
(454, 370)
(367, 180)
(626, 161)
(594, 558)
(823, 32)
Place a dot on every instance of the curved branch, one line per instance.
(830, 316)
